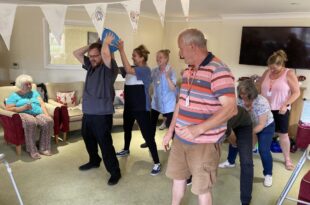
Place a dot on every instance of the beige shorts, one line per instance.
(199, 160)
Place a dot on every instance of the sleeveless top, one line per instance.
(276, 91)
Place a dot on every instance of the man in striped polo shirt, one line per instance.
(206, 102)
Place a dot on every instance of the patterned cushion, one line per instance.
(67, 98)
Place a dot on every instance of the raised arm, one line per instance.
(125, 62)
(79, 53)
(105, 50)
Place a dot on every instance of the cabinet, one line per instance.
(295, 114)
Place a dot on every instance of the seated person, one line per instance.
(31, 108)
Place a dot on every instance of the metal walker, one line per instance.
(11, 177)
(292, 179)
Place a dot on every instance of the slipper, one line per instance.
(35, 155)
(289, 165)
(46, 153)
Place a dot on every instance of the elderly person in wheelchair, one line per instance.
(29, 104)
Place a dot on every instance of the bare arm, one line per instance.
(294, 86)
(170, 83)
(260, 81)
(79, 53)
(125, 62)
(169, 134)
(105, 50)
(43, 106)
(262, 119)
(228, 110)
(13, 108)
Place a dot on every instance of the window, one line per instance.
(75, 35)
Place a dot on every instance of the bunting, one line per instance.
(97, 13)
(7, 16)
(160, 6)
(133, 9)
(185, 7)
(55, 16)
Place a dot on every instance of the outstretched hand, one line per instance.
(109, 38)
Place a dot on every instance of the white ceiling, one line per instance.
(200, 8)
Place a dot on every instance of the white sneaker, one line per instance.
(268, 181)
(226, 164)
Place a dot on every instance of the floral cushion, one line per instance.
(67, 98)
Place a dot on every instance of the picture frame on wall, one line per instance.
(92, 37)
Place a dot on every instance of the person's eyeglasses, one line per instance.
(94, 56)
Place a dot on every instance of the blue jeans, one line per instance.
(244, 143)
(264, 142)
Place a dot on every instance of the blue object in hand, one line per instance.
(113, 46)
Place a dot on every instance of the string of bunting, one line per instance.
(55, 15)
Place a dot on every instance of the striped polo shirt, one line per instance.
(212, 80)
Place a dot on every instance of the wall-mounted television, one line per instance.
(258, 43)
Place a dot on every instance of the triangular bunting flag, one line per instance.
(160, 6)
(55, 16)
(7, 15)
(97, 13)
(133, 9)
(185, 7)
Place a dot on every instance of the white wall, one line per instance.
(224, 40)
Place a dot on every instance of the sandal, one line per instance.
(35, 155)
(289, 165)
(46, 153)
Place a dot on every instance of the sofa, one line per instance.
(71, 116)
(11, 121)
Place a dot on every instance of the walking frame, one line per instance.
(292, 179)
(11, 177)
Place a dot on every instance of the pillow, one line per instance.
(67, 98)
(119, 97)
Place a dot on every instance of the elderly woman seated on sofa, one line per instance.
(29, 104)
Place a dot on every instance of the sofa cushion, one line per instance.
(67, 98)
(75, 115)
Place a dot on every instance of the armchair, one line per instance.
(11, 121)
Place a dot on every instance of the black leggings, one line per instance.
(144, 121)
(154, 118)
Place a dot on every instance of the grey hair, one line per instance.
(193, 36)
(248, 88)
(21, 79)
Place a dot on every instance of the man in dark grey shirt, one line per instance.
(97, 106)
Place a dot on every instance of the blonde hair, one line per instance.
(193, 36)
(142, 52)
(21, 79)
(165, 52)
(279, 58)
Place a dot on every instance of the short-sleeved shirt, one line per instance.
(163, 99)
(260, 106)
(212, 80)
(98, 92)
(21, 100)
(137, 97)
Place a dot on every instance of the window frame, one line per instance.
(46, 46)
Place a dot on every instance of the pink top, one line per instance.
(276, 91)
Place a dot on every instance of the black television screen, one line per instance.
(258, 43)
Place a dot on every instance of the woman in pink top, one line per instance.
(280, 86)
